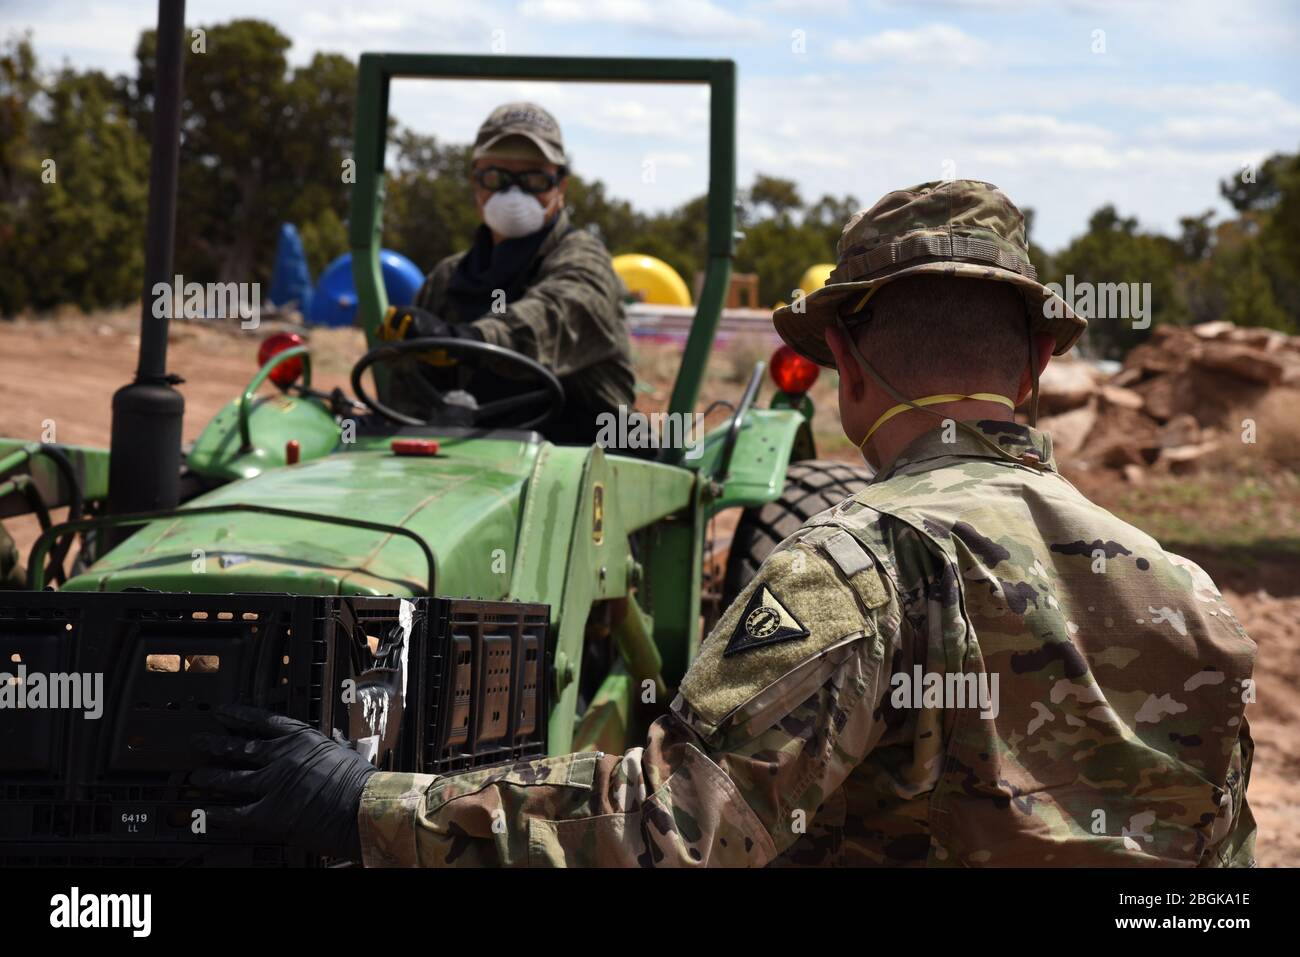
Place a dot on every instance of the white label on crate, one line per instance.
(405, 613)
(368, 747)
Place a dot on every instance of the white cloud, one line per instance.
(105, 34)
(1185, 94)
(636, 116)
(1071, 149)
(1238, 98)
(936, 44)
(687, 19)
(399, 26)
(973, 5)
(1022, 128)
(1215, 30)
(672, 160)
(1215, 129)
(823, 8)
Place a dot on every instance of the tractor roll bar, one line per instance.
(375, 72)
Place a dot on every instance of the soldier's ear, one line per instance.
(852, 378)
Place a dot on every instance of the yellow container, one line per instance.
(814, 277)
(652, 280)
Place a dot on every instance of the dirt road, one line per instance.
(64, 372)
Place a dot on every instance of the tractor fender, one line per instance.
(769, 440)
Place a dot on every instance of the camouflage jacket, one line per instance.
(966, 663)
(570, 318)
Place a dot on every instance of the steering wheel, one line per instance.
(550, 391)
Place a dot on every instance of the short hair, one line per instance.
(946, 334)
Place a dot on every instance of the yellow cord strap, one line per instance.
(1029, 459)
(935, 400)
(863, 301)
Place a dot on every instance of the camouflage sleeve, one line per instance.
(774, 714)
(571, 316)
(1232, 839)
(1232, 836)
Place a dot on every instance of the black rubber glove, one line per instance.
(412, 322)
(467, 330)
(301, 785)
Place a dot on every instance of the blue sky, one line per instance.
(1065, 105)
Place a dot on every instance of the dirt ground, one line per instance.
(1245, 530)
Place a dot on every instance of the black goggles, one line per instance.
(530, 181)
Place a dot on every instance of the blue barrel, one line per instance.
(291, 279)
(334, 302)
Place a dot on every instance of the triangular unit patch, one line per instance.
(765, 621)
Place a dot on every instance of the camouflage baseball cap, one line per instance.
(513, 126)
(963, 228)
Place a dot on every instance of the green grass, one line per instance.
(1258, 510)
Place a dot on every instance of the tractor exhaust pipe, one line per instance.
(145, 449)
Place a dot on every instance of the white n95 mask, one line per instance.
(513, 213)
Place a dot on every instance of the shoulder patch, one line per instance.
(765, 621)
(803, 619)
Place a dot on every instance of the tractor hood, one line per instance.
(464, 502)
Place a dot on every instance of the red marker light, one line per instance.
(415, 446)
(792, 373)
(292, 452)
(286, 373)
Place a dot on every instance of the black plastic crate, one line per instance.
(76, 790)
(483, 685)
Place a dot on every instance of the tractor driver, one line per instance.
(531, 281)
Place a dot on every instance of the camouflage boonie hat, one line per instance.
(963, 228)
(498, 136)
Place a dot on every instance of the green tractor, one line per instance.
(446, 594)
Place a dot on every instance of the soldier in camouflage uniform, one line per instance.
(966, 663)
(531, 282)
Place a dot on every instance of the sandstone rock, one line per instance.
(1179, 401)
(1181, 430)
(1124, 398)
(1149, 357)
(1160, 397)
(1121, 436)
(1070, 429)
(1127, 377)
(1208, 394)
(1169, 349)
(1214, 330)
(1267, 340)
(1186, 458)
(1242, 361)
(1066, 384)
